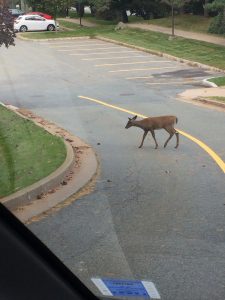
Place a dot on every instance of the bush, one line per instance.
(218, 24)
(73, 14)
(107, 14)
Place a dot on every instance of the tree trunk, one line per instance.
(124, 16)
(206, 12)
(172, 13)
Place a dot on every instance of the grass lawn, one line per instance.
(184, 22)
(27, 152)
(206, 53)
(220, 81)
(222, 99)
(76, 32)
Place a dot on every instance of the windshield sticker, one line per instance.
(126, 288)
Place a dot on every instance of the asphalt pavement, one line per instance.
(154, 215)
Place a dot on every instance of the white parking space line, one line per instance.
(144, 69)
(139, 77)
(88, 49)
(170, 82)
(74, 45)
(114, 57)
(100, 53)
(134, 63)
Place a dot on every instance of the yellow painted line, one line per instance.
(144, 69)
(114, 57)
(133, 63)
(111, 106)
(212, 153)
(100, 53)
(206, 148)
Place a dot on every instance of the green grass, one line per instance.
(76, 32)
(202, 52)
(184, 22)
(217, 98)
(220, 81)
(206, 53)
(69, 25)
(27, 152)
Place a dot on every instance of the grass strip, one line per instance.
(198, 51)
(217, 98)
(28, 153)
(219, 81)
(183, 22)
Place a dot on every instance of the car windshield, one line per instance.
(112, 142)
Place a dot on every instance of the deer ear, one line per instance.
(134, 118)
(129, 118)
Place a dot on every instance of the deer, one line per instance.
(155, 123)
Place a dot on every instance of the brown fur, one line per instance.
(155, 123)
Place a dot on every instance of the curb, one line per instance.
(32, 192)
(78, 169)
(209, 83)
(210, 102)
(53, 39)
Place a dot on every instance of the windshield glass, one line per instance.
(111, 144)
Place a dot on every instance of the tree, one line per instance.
(149, 9)
(174, 4)
(218, 23)
(7, 33)
(52, 7)
(79, 4)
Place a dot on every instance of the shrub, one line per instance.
(218, 24)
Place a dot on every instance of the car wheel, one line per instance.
(51, 27)
(23, 28)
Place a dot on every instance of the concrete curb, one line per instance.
(209, 83)
(210, 102)
(78, 169)
(53, 39)
(81, 183)
(26, 195)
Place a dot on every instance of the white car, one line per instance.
(33, 23)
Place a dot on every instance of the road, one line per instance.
(155, 215)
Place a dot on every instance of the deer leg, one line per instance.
(153, 135)
(143, 138)
(177, 136)
(171, 131)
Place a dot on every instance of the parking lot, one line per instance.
(156, 215)
(127, 63)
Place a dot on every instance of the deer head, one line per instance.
(130, 122)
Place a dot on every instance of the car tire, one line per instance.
(23, 28)
(51, 27)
